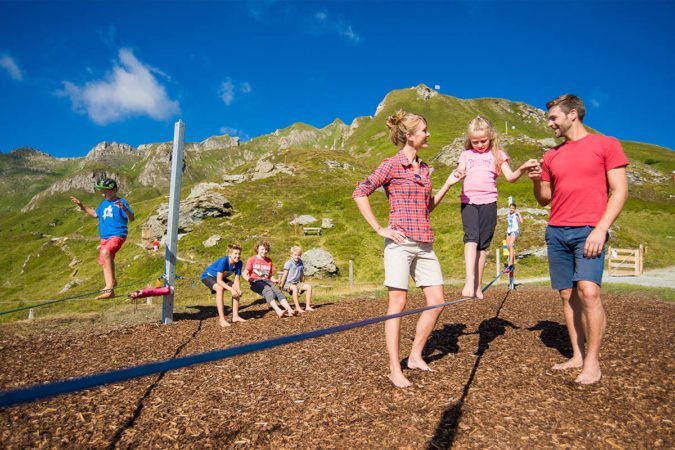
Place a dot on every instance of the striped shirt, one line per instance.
(409, 195)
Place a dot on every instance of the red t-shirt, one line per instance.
(577, 171)
(259, 268)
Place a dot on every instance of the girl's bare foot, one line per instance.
(569, 364)
(418, 364)
(224, 323)
(238, 319)
(468, 291)
(107, 293)
(399, 380)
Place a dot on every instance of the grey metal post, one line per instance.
(172, 219)
(351, 274)
(499, 251)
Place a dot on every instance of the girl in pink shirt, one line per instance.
(481, 160)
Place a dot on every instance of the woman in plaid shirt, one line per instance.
(408, 238)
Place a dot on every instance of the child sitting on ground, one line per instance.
(113, 214)
(259, 272)
(293, 279)
(215, 277)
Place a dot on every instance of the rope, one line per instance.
(25, 395)
(74, 297)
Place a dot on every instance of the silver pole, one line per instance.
(351, 274)
(172, 220)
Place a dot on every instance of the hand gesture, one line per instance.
(76, 201)
(394, 235)
(534, 172)
(530, 164)
(594, 243)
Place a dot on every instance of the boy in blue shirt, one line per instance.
(293, 279)
(215, 277)
(113, 214)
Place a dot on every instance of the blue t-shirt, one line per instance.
(223, 265)
(112, 220)
(295, 271)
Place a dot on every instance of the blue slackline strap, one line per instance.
(24, 395)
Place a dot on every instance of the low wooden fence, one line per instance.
(627, 262)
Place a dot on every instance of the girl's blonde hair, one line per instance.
(480, 125)
(400, 124)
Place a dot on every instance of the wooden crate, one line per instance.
(628, 262)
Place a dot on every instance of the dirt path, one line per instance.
(491, 386)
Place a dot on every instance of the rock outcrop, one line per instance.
(82, 182)
(202, 203)
(319, 263)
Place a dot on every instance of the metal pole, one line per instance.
(499, 250)
(172, 220)
(351, 274)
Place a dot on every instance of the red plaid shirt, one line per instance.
(409, 195)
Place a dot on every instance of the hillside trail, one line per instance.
(663, 277)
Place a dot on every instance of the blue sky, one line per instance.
(73, 74)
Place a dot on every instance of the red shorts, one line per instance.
(112, 244)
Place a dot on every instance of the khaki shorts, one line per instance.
(301, 287)
(411, 258)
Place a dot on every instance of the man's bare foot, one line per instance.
(569, 364)
(418, 364)
(591, 374)
(468, 291)
(238, 319)
(309, 308)
(479, 293)
(224, 323)
(107, 293)
(399, 380)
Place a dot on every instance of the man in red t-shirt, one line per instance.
(584, 179)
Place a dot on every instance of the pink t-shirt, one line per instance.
(577, 171)
(480, 183)
(259, 268)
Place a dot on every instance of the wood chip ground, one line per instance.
(491, 385)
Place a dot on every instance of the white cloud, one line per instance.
(349, 33)
(228, 89)
(234, 132)
(12, 68)
(595, 103)
(322, 21)
(130, 89)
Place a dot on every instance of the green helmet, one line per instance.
(105, 183)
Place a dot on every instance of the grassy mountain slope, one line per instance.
(37, 262)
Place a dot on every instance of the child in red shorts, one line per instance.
(113, 214)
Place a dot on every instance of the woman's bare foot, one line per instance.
(418, 364)
(468, 291)
(590, 374)
(107, 293)
(238, 319)
(399, 380)
(224, 323)
(569, 364)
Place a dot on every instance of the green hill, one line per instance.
(50, 245)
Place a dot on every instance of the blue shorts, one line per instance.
(566, 261)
